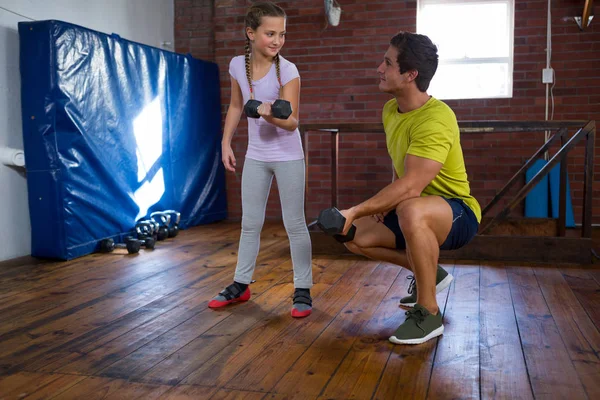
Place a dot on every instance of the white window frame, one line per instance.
(478, 61)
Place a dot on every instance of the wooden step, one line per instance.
(517, 239)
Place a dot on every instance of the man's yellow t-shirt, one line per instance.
(430, 131)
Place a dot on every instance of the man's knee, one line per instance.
(370, 233)
(366, 235)
(361, 240)
(411, 216)
(354, 248)
(430, 214)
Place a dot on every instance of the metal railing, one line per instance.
(560, 131)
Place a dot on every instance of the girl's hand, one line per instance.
(264, 110)
(228, 158)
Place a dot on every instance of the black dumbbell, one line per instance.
(162, 221)
(108, 245)
(175, 217)
(280, 109)
(148, 242)
(331, 221)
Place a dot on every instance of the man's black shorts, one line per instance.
(464, 226)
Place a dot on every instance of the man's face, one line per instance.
(390, 78)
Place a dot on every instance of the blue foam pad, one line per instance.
(114, 130)
(536, 201)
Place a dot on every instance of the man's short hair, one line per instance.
(416, 52)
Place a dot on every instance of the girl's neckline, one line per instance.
(265, 75)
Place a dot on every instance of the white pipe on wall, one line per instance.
(13, 157)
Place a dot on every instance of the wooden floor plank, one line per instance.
(50, 278)
(181, 364)
(595, 273)
(61, 279)
(169, 346)
(408, 369)
(17, 267)
(268, 368)
(549, 366)
(309, 375)
(359, 373)
(32, 385)
(118, 326)
(89, 297)
(188, 392)
(587, 291)
(55, 333)
(93, 350)
(111, 308)
(229, 361)
(103, 273)
(456, 366)
(60, 383)
(93, 388)
(202, 291)
(503, 369)
(94, 357)
(578, 332)
(172, 365)
(226, 394)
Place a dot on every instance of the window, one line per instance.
(475, 46)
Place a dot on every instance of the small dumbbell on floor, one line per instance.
(331, 221)
(145, 241)
(280, 109)
(108, 245)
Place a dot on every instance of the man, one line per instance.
(429, 207)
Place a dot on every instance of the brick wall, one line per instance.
(339, 83)
(194, 28)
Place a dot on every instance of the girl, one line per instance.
(274, 149)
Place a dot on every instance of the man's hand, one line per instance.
(350, 217)
(380, 216)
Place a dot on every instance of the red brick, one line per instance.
(338, 70)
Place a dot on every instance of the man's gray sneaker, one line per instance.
(442, 280)
(420, 326)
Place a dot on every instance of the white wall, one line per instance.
(145, 21)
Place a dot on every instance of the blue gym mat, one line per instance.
(114, 130)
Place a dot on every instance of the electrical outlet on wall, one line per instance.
(547, 75)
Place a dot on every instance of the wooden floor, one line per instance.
(137, 327)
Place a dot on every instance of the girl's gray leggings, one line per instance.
(256, 184)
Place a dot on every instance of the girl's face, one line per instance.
(269, 38)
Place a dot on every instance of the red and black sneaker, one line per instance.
(302, 303)
(231, 294)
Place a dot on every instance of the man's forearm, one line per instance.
(386, 199)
